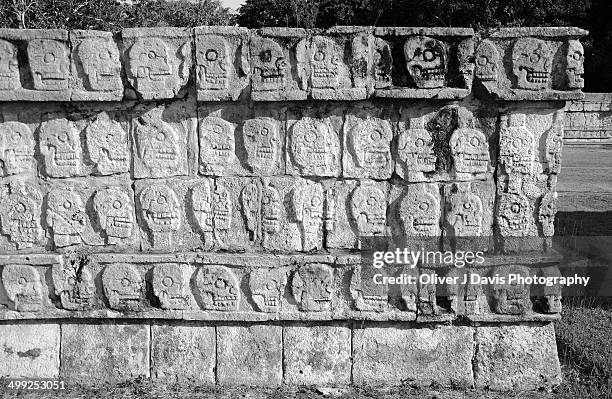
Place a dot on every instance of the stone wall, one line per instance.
(589, 121)
(171, 196)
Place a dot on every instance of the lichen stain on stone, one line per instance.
(31, 353)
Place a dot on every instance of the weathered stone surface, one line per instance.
(97, 353)
(183, 353)
(317, 355)
(393, 355)
(250, 355)
(30, 350)
(502, 353)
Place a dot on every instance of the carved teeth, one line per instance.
(537, 76)
(487, 77)
(163, 217)
(325, 73)
(432, 73)
(272, 77)
(65, 159)
(376, 158)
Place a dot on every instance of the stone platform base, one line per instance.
(509, 357)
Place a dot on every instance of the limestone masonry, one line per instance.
(229, 176)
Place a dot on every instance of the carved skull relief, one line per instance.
(74, 285)
(512, 297)
(16, 148)
(269, 65)
(60, 146)
(327, 64)
(171, 285)
(425, 61)
(307, 204)
(107, 145)
(547, 213)
(271, 206)
(150, 64)
(368, 209)
(250, 199)
(100, 61)
(202, 206)
(262, 144)
(315, 147)
(9, 66)
(23, 287)
(464, 214)
(575, 65)
(552, 294)
(516, 144)
(470, 150)
(420, 213)
(214, 63)
(160, 209)
(514, 215)
(267, 287)
(20, 215)
(222, 209)
(532, 61)
(366, 294)
(217, 145)
(123, 286)
(66, 216)
(49, 64)
(383, 63)
(416, 148)
(487, 61)
(115, 213)
(158, 146)
(467, 64)
(218, 288)
(312, 287)
(369, 143)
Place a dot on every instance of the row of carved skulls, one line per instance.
(312, 286)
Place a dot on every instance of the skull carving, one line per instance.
(123, 286)
(60, 146)
(214, 63)
(552, 294)
(383, 64)
(171, 285)
(100, 60)
(327, 63)
(420, 213)
(468, 298)
(202, 205)
(425, 61)
(532, 61)
(467, 65)
(366, 294)
(470, 150)
(547, 213)
(487, 61)
(267, 287)
(115, 214)
(312, 287)
(107, 145)
(271, 210)
(262, 142)
(20, 215)
(516, 144)
(514, 215)
(9, 66)
(49, 64)
(512, 297)
(307, 203)
(218, 288)
(370, 143)
(250, 199)
(416, 149)
(16, 148)
(74, 285)
(161, 212)
(575, 65)
(222, 209)
(23, 287)
(464, 214)
(150, 65)
(315, 147)
(368, 208)
(158, 146)
(270, 67)
(217, 146)
(66, 216)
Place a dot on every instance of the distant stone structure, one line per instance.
(589, 121)
(189, 204)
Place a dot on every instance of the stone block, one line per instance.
(396, 355)
(516, 357)
(98, 353)
(183, 353)
(249, 355)
(30, 350)
(317, 355)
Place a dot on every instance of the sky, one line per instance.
(234, 4)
